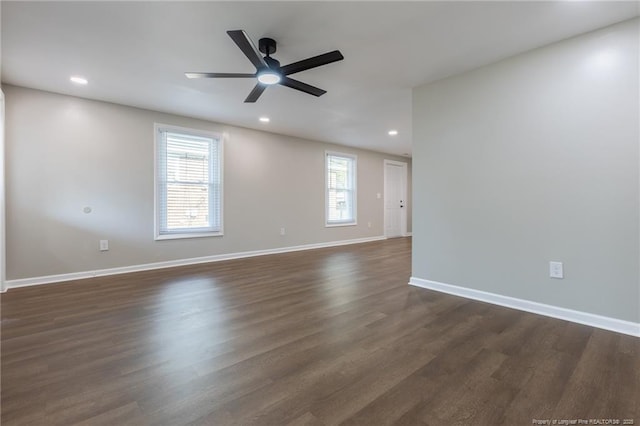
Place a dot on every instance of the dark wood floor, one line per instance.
(323, 337)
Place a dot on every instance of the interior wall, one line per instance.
(66, 153)
(530, 160)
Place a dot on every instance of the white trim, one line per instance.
(408, 234)
(49, 279)
(177, 235)
(598, 321)
(337, 224)
(3, 227)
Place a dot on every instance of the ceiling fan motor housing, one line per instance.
(267, 46)
(274, 64)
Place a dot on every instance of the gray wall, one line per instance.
(65, 153)
(529, 160)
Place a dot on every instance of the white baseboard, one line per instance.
(408, 234)
(607, 323)
(49, 279)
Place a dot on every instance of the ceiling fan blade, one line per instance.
(248, 48)
(316, 61)
(217, 75)
(255, 93)
(303, 87)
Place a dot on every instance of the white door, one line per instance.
(395, 198)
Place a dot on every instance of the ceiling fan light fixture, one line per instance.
(269, 77)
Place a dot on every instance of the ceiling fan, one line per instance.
(268, 69)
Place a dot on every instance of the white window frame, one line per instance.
(196, 232)
(354, 158)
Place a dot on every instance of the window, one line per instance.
(188, 183)
(341, 189)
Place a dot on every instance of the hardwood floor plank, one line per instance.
(604, 384)
(307, 419)
(126, 415)
(319, 338)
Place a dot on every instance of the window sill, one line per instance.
(184, 235)
(335, 225)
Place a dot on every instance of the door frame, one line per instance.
(403, 214)
(3, 244)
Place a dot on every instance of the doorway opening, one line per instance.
(395, 199)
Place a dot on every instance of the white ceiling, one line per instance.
(135, 53)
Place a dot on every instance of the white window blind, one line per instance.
(188, 184)
(341, 189)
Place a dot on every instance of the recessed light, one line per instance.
(393, 132)
(78, 80)
(264, 119)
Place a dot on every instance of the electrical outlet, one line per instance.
(556, 270)
(282, 231)
(369, 224)
(104, 245)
